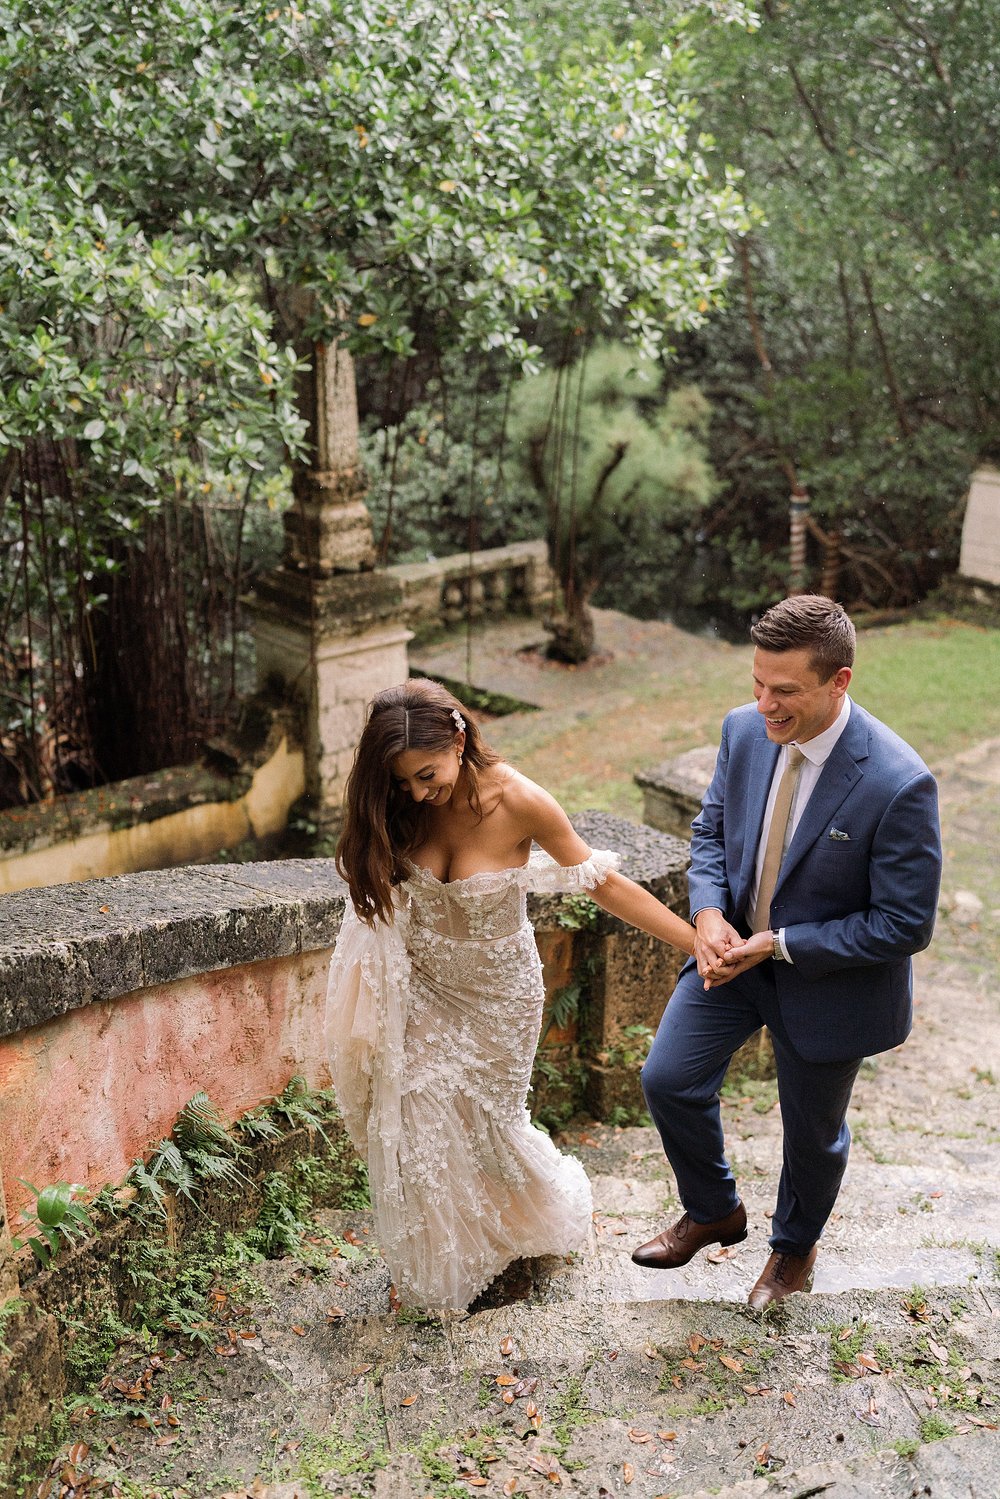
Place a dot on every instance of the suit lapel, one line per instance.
(762, 763)
(840, 773)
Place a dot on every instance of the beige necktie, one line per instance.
(775, 847)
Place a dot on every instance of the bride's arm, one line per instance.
(546, 822)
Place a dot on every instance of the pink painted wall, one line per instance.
(84, 1094)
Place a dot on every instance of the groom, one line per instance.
(815, 863)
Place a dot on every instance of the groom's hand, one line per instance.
(741, 956)
(713, 940)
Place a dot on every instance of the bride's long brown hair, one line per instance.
(382, 823)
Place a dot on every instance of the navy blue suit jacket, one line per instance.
(854, 909)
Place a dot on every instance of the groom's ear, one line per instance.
(841, 680)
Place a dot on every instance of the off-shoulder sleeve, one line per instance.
(545, 877)
(367, 1000)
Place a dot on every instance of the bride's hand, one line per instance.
(740, 957)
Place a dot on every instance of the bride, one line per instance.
(435, 998)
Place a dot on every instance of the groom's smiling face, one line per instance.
(795, 703)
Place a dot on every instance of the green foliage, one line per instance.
(440, 475)
(57, 1218)
(934, 1427)
(578, 913)
(631, 1050)
(9, 1311)
(405, 162)
(874, 294)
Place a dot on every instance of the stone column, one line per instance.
(980, 558)
(327, 624)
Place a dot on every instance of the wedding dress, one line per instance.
(432, 1024)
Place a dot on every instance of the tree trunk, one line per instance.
(572, 633)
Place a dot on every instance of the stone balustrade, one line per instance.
(513, 579)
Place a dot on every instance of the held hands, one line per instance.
(721, 952)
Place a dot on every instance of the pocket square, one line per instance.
(840, 837)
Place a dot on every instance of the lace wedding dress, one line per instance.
(432, 1024)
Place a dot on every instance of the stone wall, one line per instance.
(156, 821)
(120, 998)
(672, 791)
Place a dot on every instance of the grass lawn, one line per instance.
(935, 681)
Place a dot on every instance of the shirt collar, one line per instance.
(818, 749)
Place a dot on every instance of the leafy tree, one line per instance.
(857, 361)
(620, 466)
(192, 189)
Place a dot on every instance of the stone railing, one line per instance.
(120, 998)
(514, 579)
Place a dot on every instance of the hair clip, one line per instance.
(459, 721)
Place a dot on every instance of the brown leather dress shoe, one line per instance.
(676, 1245)
(783, 1275)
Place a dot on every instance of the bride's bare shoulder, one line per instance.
(522, 797)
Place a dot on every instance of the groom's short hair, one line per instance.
(810, 622)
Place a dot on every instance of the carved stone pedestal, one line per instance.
(328, 626)
(333, 643)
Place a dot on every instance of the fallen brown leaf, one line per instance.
(788, 1397)
(731, 1363)
(505, 1379)
(506, 1347)
(762, 1455)
(628, 1472)
(634, 1435)
(409, 1400)
(299, 1331)
(696, 1342)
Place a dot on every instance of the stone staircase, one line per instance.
(591, 1377)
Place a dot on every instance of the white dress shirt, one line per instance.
(816, 751)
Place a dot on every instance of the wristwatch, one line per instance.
(776, 952)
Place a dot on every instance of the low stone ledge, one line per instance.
(653, 859)
(672, 792)
(122, 804)
(66, 946)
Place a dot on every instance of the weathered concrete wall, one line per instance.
(129, 1064)
(151, 822)
(120, 998)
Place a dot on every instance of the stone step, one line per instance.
(336, 1382)
(954, 1468)
(894, 1226)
